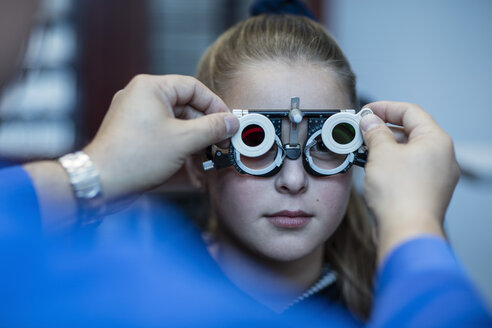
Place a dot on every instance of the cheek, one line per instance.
(332, 195)
(232, 194)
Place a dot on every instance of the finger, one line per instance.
(208, 130)
(186, 112)
(400, 113)
(188, 93)
(224, 144)
(375, 132)
(399, 134)
(414, 120)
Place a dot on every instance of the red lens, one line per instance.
(253, 135)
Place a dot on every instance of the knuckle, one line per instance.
(140, 79)
(458, 172)
(413, 106)
(118, 95)
(166, 82)
(447, 142)
(180, 79)
(189, 79)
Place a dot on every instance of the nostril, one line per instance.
(292, 178)
(292, 186)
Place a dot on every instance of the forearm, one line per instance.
(55, 196)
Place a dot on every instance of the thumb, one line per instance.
(375, 132)
(210, 129)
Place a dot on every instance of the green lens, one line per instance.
(324, 158)
(343, 133)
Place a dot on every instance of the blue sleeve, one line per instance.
(19, 208)
(421, 284)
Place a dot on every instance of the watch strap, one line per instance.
(86, 186)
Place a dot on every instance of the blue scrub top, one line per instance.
(77, 280)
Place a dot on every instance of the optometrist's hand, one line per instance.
(152, 125)
(408, 186)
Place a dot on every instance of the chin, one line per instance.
(286, 253)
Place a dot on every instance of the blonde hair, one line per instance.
(294, 40)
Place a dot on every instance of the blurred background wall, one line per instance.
(433, 53)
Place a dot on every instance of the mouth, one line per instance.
(289, 219)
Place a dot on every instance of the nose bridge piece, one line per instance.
(293, 148)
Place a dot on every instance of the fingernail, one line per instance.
(232, 124)
(369, 122)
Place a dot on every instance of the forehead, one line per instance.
(270, 85)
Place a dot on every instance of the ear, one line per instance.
(194, 168)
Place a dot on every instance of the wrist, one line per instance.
(392, 234)
(116, 178)
(86, 186)
(108, 182)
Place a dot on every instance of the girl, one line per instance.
(292, 231)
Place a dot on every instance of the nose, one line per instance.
(292, 178)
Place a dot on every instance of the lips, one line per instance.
(289, 219)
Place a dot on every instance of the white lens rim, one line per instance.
(307, 152)
(279, 159)
(340, 118)
(267, 143)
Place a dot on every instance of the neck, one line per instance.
(271, 282)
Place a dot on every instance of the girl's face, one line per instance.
(290, 215)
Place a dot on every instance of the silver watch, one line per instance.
(86, 186)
